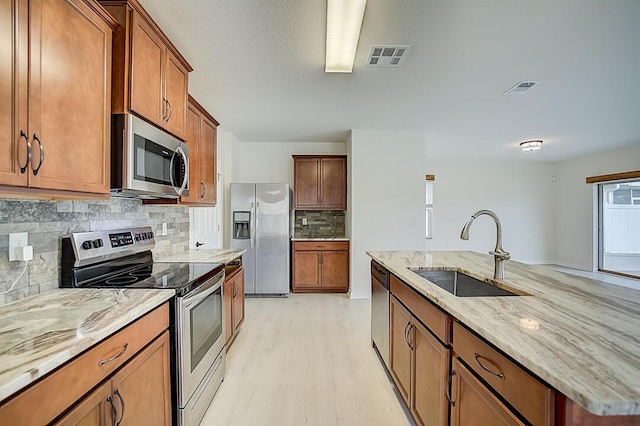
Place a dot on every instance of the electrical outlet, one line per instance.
(164, 229)
(17, 239)
(304, 221)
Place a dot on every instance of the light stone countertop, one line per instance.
(203, 255)
(587, 345)
(320, 239)
(43, 332)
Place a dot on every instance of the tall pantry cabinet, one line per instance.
(55, 86)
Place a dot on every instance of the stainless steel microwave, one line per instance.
(146, 162)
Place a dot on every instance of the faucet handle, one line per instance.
(504, 255)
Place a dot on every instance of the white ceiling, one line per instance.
(259, 69)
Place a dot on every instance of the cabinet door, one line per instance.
(238, 300)
(97, 409)
(430, 366)
(227, 293)
(400, 349)
(474, 404)
(307, 183)
(147, 60)
(143, 386)
(335, 270)
(69, 96)
(334, 183)
(193, 140)
(306, 269)
(13, 92)
(208, 167)
(176, 91)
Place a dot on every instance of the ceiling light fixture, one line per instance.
(530, 145)
(344, 21)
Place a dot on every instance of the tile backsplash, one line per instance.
(320, 223)
(47, 221)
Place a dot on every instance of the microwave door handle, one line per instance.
(185, 180)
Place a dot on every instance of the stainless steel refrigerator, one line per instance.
(260, 223)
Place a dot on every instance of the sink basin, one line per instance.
(463, 285)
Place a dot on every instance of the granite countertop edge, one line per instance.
(202, 255)
(586, 327)
(40, 333)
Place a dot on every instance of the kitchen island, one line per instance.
(575, 334)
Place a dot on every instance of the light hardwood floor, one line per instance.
(305, 360)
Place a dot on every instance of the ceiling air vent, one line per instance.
(387, 56)
(521, 87)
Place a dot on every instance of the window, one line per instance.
(619, 227)
(429, 205)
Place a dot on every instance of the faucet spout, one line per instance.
(499, 254)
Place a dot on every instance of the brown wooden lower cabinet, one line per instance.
(139, 394)
(321, 266)
(419, 366)
(233, 294)
(474, 404)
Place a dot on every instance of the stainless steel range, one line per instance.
(123, 259)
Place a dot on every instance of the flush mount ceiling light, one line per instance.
(344, 20)
(530, 145)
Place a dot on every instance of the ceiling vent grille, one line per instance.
(521, 87)
(387, 56)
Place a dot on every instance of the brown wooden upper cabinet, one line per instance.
(320, 182)
(201, 137)
(55, 132)
(150, 76)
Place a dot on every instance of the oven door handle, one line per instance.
(203, 291)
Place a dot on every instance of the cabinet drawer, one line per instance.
(526, 394)
(321, 245)
(424, 310)
(69, 383)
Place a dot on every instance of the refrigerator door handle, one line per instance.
(252, 231)
(257, 229)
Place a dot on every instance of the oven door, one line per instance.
(200, 336)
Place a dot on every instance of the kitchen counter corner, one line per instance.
(41, 333)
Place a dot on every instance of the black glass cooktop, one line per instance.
(142, 272)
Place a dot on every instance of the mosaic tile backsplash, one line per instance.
(47, 221)
(320, 223)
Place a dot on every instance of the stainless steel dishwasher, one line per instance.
(380, 310)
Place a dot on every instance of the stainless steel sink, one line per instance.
(463, 285)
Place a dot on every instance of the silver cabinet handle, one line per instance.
(449, 385)
(37, 139)
(117, 393)
(114, 410)
(164, 109)
(406, 334)
(477, 356)
(24, 136)
(169, 109)
(118, 355)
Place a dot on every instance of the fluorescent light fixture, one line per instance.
(344, 20)
(530, 145)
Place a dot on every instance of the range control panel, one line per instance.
(97, 245)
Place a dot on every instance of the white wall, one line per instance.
(387, 197)
(575, 241)
(271, 162)
(520, 193)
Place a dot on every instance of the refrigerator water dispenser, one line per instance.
(241, 225)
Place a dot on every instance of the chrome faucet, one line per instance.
(498, 253)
